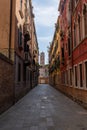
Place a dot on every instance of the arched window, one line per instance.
(74, 35)
(20, 4)
(20, 36)
(79, 28)
(85, 19)
(69, 45)
(75, 3)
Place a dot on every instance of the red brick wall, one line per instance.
(6, 83)
(76, 94)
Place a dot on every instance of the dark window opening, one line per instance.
(19, 72)
(20, 4)
(86, 72)
(20, 36)
(63, 52)
(69, 47)
(74, 36)
(75, 75)
(85, 18)
(24, 73)
(70, 76)
(79, 27)
(66, 76)
(81, 81)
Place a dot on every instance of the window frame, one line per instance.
(81, 83)
(85, 78)
(75, 77)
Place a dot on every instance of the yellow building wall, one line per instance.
(5, 28)
(4, 25)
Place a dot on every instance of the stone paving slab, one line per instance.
(44, 108)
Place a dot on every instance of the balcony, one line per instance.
(26, 47)
(26, 60)
(25, 28)
(27, 36)
(35, 67)
(26, 32)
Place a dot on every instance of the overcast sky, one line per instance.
(46, 13)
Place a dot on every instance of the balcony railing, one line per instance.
(25, 28)
(26, 32)
(26, 47)
(27, 37)
(27, 60)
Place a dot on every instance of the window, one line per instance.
(24, 73)
(20, 4)
(26, 56)
(63, 78)
(66, 46)
(70, 76)
(79, 28)
(20, 9)
(74, 35)
(26, 18)
(75, 74)
(66, 76)
(19, 72)
(28, 76)
(57, 44)
(62, 52)
(76, 1)
(85, 19)
(69, 47)
(86, 73)
(80, 74)
(20, 36)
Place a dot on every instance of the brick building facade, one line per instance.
(73, 50)
(19, 47)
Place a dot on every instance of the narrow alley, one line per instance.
(44, 108)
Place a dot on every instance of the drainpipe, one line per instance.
(10, 30)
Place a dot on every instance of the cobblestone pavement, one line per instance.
(44, 108)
